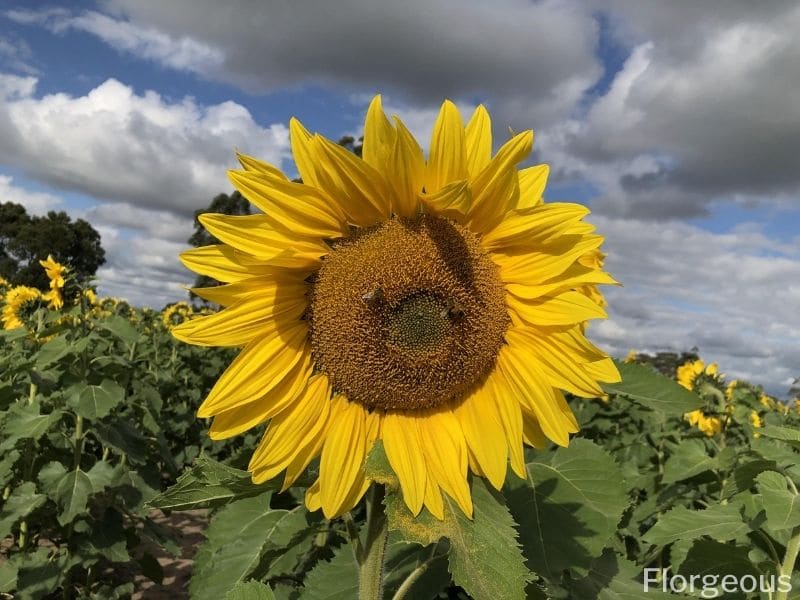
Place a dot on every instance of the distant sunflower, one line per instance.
(55, 273)
(436, 306)
(17, 301)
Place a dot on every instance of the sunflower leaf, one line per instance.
(721, 522)
(336, 579)
(208, 484)
(252, 590)
(568, 508)
(613, 578)
(237, 537)
(485, 558)
(645, 386)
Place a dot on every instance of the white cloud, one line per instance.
(182, 53)
(733, 295)
(423, 50)
(113, 144)
(35, 203)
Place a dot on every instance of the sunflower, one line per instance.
(18, 300)
(689, 373)
(55, 273)
(175, 314)
(433, 305)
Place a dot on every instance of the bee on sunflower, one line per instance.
(437, 305)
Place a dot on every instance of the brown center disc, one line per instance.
(407, 315)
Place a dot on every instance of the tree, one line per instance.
(25, 240)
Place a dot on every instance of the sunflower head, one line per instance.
(175, 314)
(19, 304)
(434, 303)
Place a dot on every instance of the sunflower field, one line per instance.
(384, 399)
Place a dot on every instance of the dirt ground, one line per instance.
(188, 527)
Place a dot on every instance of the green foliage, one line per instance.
(25, 240)
(98, 431)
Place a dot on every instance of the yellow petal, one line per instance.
(250, 163)
(495, 188)
(359, 187)
(533, 390)
(343, 455)
(532, 182)
(484, 435)
(532, 432)
(433, 497)
(245, 416)
(314, 497)
(478, 137)
(561, 366)
(567, 308)
(304, 156)
(255, 235)
(576, 275)
(509, 414)
(293, 207)
(551, 261)
(379, 136)
(292, 430)
(406, 173)
(448, 157)
(603, 370)
(282, 283)
(404, 450)
(446, 456)
(534, 227)
(450, 201)
(260, 366)
(224, 263)
(241, 322)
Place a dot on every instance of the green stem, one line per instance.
(418, 572)
(370, 569)
(32, 394)
(78, 448)
(789, 559)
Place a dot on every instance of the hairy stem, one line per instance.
(370, 563)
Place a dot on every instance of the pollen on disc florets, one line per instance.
(407, 315)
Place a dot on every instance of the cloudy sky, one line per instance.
(678, 124)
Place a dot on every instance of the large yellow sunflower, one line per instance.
(434, 305)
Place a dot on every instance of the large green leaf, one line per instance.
(721, 522)
(781, 505)
(568, 508)
(72, 492)
(614, 578)
(121, 327)
(236, 539)
(123, 436)
(95, 401)
(251, 590)
(25, 421)
(208, 484)
(649, 388)
(485, 558)
(690, 458)
(709, 557)
(8, 577)
(22, 501)
(336, 579)
(51, 351)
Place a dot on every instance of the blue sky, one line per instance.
(676, 124)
